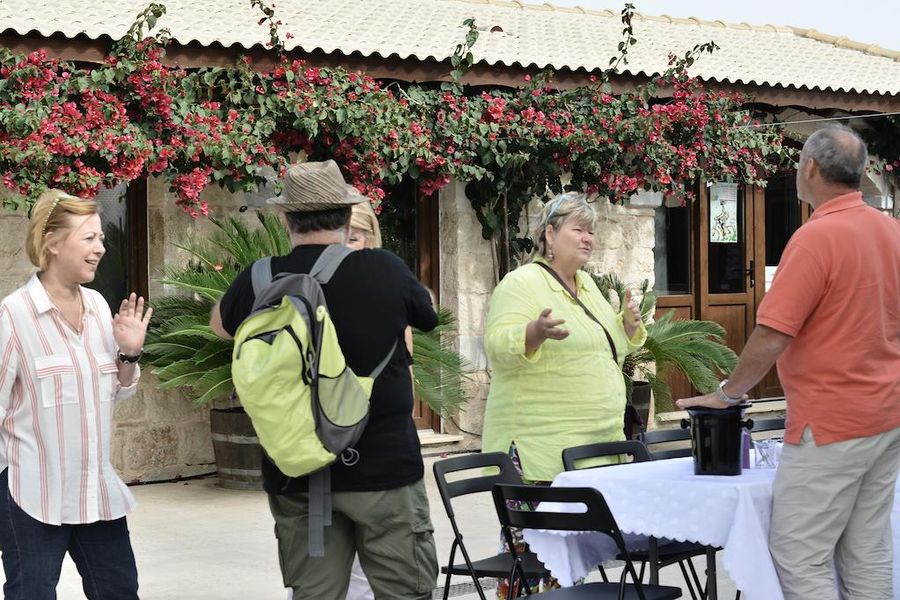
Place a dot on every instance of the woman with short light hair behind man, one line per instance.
(555, 348)
(64, 361)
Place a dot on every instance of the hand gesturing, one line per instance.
(631, 314)
(548, 328)
(130, 324)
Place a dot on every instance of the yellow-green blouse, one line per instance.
(569, 392)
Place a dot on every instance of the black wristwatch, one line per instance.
(130, 359)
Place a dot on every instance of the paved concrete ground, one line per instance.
(196, 541)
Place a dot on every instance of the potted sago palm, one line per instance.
(691, 347)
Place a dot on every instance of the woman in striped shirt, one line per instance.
(64, 361)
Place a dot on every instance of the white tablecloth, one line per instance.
(665, 499)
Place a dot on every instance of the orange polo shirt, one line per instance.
(837, 293)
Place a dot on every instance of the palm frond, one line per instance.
(215, 383)
(439, 371)
(186, 354)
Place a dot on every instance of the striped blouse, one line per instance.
(57, 392)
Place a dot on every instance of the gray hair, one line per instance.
(562, 208)
(840, 153)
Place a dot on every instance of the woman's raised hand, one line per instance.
(130, 324)
(631, 314)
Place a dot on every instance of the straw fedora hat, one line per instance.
(313, 186)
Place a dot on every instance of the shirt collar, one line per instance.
(42, 300)
(839, 203)
(581, 279)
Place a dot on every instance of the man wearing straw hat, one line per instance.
(380, 509)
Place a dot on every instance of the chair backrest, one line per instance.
(660, 436)
(634, 448)
(762, 425)
(596, 515)
(478, 482)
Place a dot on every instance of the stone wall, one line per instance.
(625, 239)
(467, 278)
(159, 434)
(15, 269)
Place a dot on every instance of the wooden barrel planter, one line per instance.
(237, 450)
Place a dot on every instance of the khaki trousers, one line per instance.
(831, 511)
(390, 530)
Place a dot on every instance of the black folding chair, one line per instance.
(667, 436)
(671, 553)
(767, 425)
(633, 448)
(498, 565)
(596, 517)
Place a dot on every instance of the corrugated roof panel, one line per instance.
(541, 35)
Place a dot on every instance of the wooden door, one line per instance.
(676, 256)
(409, 229)
(702, 275)
(728, 273)
(428, 271)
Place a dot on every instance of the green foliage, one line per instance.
(438, 369)
(135, 115)
(693, 348)
(180, 344)
(186, 354)
(462, 58)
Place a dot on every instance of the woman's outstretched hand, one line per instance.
(543, 328)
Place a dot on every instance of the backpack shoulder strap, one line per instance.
(261, 274)
(328, 262)
(384, 362)
(324, 268)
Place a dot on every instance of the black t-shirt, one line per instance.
(371, 298)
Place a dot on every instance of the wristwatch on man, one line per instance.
(129, 359)
(720, 392)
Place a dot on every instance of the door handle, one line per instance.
(751, 271)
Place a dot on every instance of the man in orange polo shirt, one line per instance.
(832, 321)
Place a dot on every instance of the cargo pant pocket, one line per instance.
(285, 541)
(425, 556)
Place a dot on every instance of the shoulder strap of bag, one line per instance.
(329, 261)
(590, 315)
(261, 274)
(323, 269)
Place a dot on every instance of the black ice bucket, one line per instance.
(716, 439)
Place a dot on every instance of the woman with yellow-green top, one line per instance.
(555, 348)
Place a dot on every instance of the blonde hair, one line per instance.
(51, 214)
(569, 206)
(363, 217)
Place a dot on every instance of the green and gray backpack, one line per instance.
(307, 406)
